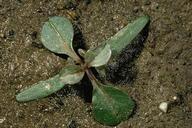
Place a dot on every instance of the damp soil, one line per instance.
(160, 70)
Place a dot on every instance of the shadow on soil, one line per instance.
(122, 71)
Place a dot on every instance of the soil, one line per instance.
(163, 67)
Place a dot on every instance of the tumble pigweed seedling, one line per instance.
(110, 105)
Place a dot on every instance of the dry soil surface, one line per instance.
(164, 66)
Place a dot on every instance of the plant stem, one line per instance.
(96, 84)
(93, 79)
(75, 57)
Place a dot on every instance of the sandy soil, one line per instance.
(163, 68)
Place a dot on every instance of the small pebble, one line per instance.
(163, 107)
(175, 98)
(2, 120)
(19, 87)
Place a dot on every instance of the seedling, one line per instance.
(110, 104)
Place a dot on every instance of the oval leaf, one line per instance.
(98, 56)
(71, 74)
(120, 40)
(111, 106)
(57, 35)
(40, 89)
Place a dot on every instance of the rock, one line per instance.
(163, 107)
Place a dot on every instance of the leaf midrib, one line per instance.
(68, 50)
(111, 101)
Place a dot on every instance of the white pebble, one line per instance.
(175, 98)
(2, 120)
(163, 107)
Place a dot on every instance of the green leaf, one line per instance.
(124, 37)
(101, 71)
(98, 56)
(71, 74)
(40, 89)
(57, 35)
(68, 75)
(81, 52)
(111, 105)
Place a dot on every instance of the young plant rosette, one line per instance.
(110, 104)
